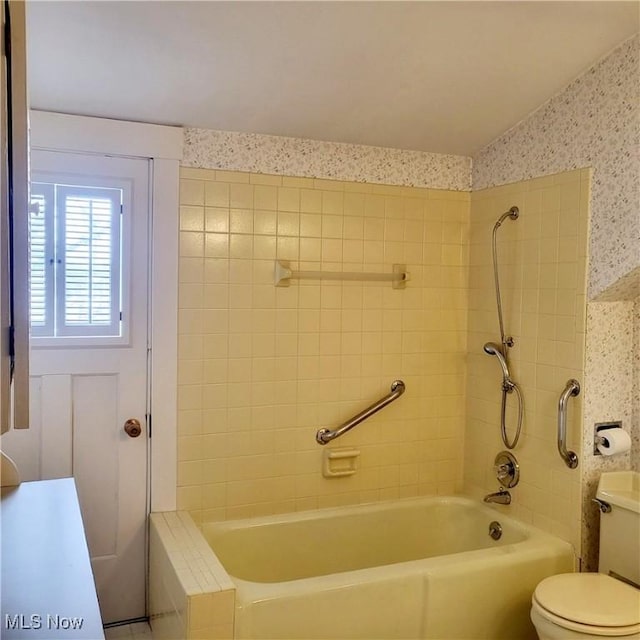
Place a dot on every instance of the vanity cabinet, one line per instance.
(48, 591)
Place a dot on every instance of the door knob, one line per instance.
(132, 428)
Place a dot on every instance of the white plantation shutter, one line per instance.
(41, 258)
(75, 277)
(89, 273)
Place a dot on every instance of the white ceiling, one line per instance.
(445, 77)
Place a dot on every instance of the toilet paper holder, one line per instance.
(599, 437)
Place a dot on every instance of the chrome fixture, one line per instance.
(507, 469)
(324, 435)
(570, 458)
(513, 213)
(495, 530)
(499, 497)
(605, 507)
(508, 386)
(508, 474)
(501, 352)
(492, 349)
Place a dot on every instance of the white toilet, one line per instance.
(595, 605)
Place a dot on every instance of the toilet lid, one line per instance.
(590, 598)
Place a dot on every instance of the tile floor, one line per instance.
(136, 631)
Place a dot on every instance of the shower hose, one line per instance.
(507, 387)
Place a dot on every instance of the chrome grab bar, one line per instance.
(324, 435)
(570, 457)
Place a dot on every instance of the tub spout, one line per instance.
(499, 497)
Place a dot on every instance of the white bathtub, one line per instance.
(417, 568)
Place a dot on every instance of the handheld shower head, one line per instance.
(492, 349)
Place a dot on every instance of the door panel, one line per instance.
(90, 387)
(95, 412)
(56, 440)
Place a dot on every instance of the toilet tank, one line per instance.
(620, 528)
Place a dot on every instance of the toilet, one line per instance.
(580, 606)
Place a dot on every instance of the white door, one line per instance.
(89, 294)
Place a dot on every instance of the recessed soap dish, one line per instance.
(338, 463)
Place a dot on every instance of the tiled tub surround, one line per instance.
(191, 596)
(542, 277)
(262, 368)
(575, 128)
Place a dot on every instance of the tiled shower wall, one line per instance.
(542, 257)
(261, 368)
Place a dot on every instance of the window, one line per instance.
(75, 255)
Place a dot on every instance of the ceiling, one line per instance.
(445, 77)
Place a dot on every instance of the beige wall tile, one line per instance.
(263, 367)
(543, 301)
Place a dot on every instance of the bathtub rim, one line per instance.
(373, 506)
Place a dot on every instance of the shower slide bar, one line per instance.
(324, 435)
(570, 458)
(283, 274)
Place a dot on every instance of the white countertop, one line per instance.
(48, 590)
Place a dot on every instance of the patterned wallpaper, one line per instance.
(207, 149)
(610, 384)
(635, 450)
(593, 122)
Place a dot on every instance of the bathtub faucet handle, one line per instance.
(507, 469)
(503, 471)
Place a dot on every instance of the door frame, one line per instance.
(163, 145)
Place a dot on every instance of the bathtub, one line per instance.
(415, 568)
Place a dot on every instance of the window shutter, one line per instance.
(89, 248)
(41, 259)
(75, 260)
(38, 259)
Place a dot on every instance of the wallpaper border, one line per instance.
(279, 155)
